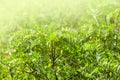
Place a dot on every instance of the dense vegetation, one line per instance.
(64, 46)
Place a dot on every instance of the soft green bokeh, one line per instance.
(12, 12)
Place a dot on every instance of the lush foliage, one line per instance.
(87, 48)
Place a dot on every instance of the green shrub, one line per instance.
(64, 53)
(49, 52)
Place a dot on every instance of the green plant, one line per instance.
(86, 48)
